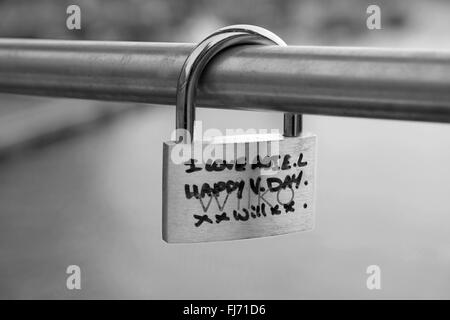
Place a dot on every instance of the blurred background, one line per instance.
(80, 181)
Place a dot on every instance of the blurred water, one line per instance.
(95, 201)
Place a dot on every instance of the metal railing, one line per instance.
(339, 81)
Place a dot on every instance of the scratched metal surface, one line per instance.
(242, 213)
(95, 201)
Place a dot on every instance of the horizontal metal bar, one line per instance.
(357, 82)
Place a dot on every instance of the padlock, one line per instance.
(234, 187)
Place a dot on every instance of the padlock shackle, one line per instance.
(199, 58)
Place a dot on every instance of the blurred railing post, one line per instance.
(356, 82)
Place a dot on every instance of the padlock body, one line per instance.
(254, 188)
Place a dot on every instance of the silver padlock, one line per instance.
(250, 186)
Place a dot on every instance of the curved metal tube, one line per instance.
(201, 56)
